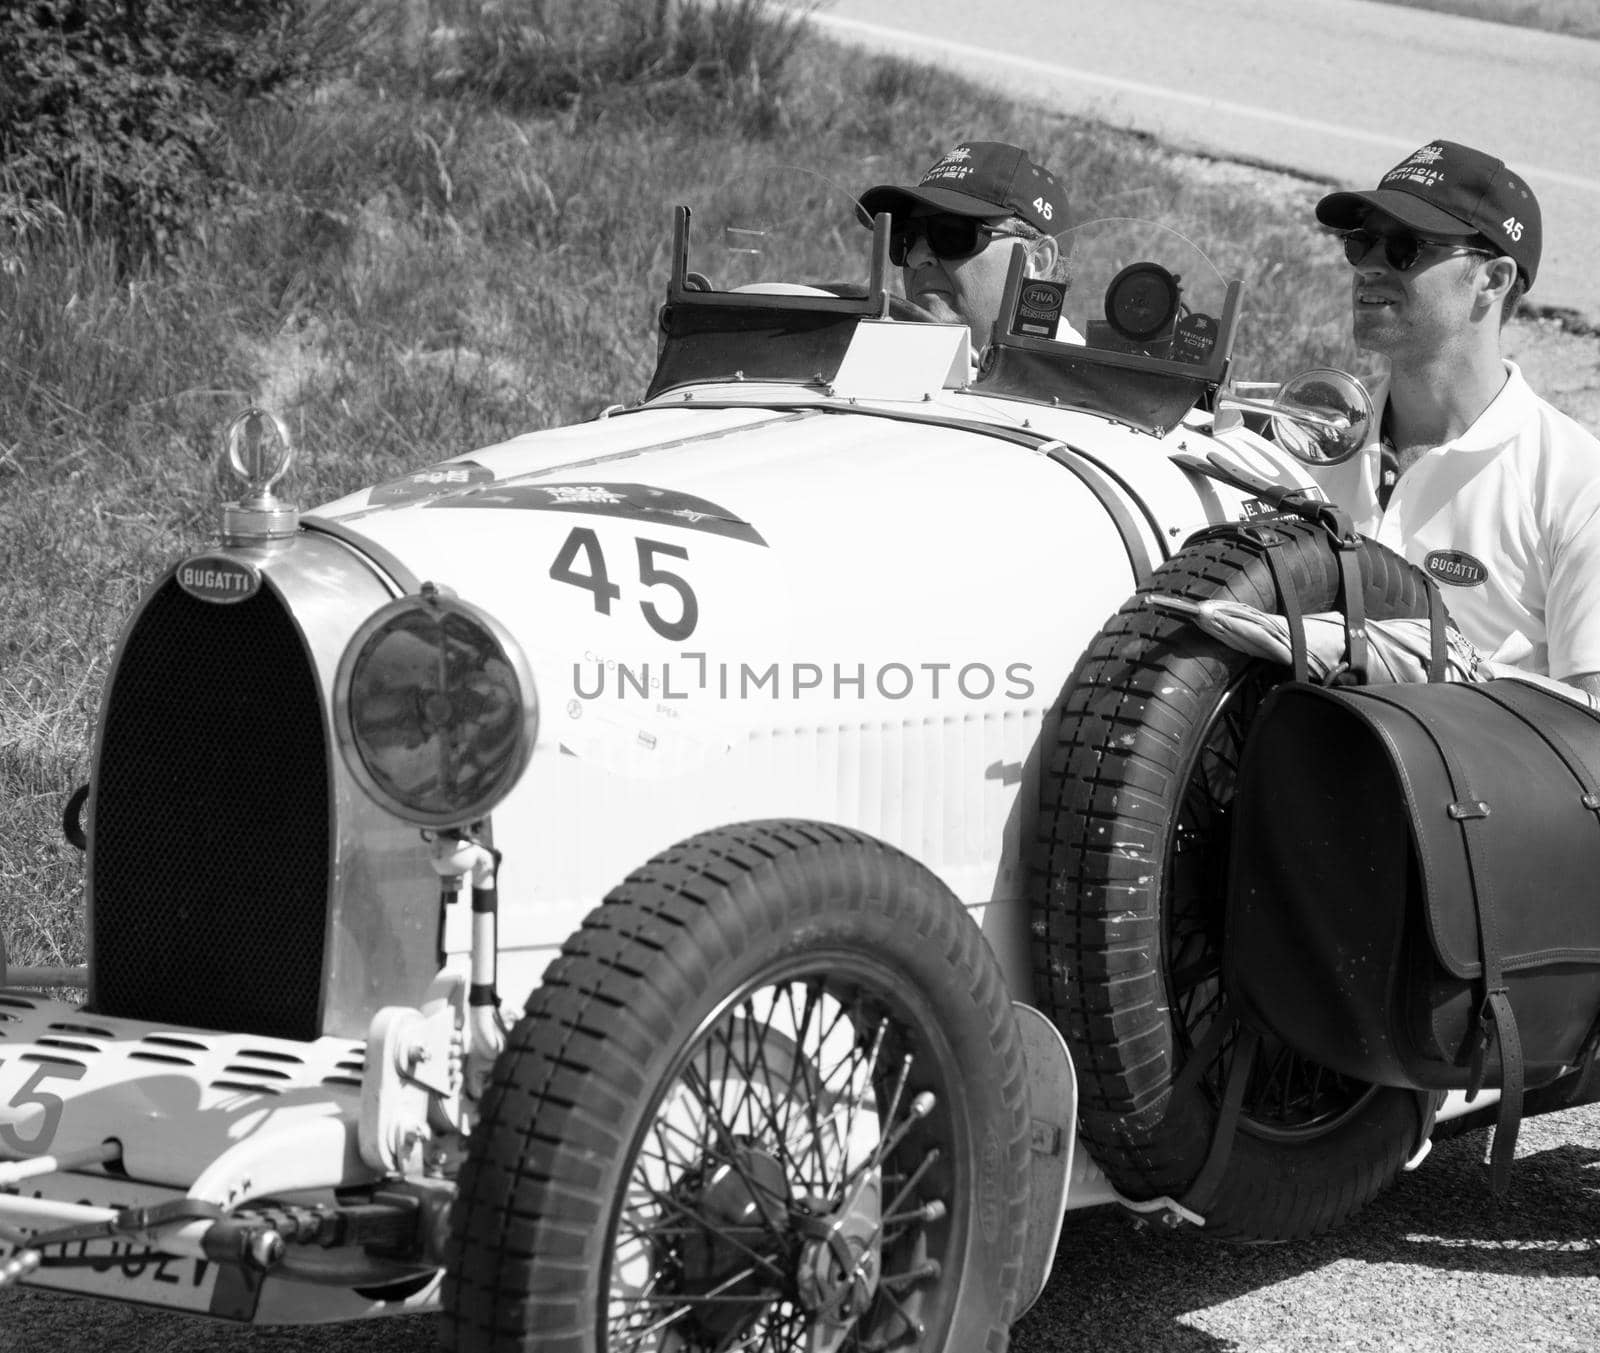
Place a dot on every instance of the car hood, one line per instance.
(795, 536)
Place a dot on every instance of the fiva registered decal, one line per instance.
(1456, 567)
(217, 578)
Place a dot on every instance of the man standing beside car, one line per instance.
(1470, 475)
(954, 233)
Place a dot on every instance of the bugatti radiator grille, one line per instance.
(210, 848)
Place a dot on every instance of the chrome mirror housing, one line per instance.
(1322, 416)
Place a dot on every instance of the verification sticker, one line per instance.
(1038, 309)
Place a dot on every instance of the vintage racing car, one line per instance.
(767, 739)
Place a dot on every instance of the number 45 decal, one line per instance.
(597, 581)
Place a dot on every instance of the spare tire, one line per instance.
(1128, 879)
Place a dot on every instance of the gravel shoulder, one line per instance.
(1436, 1265)
(1561, 360)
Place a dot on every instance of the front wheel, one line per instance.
(770, 1096)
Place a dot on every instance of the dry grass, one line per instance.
(412, 270)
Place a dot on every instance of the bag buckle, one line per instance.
(1468, 808)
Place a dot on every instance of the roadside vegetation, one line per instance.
(412, 228)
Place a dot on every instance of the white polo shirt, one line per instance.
(1506, 518)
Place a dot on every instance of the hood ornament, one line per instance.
(257, 453)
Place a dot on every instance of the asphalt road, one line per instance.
(1338, 90)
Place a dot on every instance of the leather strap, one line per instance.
(1509, 1119)
(1201, 1192)
(1438, 618)
(1346, 549)
(1289, 600)
(1205, 1051)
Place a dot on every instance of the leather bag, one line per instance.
(1414, 890)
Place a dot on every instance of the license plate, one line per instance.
(130, 1270)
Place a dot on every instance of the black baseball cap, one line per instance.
(1448, 191)
(980, 178)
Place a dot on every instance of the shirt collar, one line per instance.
(1505, 417)
(1500, 422)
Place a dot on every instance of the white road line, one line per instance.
(970, 52)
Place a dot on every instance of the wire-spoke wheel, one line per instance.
(1286, 1094)
(1130, 889)
(771, 1098)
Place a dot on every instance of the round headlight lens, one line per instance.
(436, 709)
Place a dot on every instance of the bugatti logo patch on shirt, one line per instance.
(1456, 567)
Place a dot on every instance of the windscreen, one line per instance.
(781, 230)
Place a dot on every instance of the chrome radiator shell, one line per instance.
(238, 880)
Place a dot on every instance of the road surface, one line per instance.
(1339, 90)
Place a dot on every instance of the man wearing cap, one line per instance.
(954, 233)
(1470, 475)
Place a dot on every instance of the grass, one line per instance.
(461, 237)
(1576, 18)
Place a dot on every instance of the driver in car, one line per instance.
(954, 233)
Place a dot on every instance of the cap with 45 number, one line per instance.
(1448, 191)
(979, 178)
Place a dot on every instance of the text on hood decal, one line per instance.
(434, 482)
(638, 502)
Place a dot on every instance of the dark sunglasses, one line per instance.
(949, 237)
(1400, 250)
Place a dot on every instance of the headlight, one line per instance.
(435, 709)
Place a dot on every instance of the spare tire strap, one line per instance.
(1200, 1194)
(1308, 505)
(1289, 599)
(1346, 549)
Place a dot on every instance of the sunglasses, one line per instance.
(949, 237)
(1400, 250)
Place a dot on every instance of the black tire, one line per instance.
(768, 1031)
(1129, 888)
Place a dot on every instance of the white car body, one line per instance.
(854, 601)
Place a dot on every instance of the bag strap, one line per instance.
(1335, 523)
(1438, 618)
(1347, 551)
(1495, 1015)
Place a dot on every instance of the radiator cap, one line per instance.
(257, 453)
